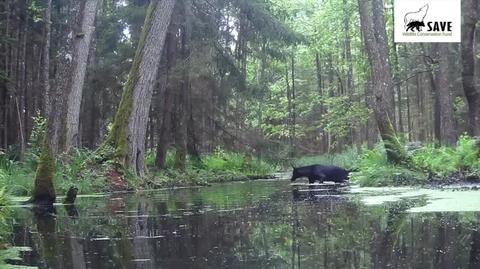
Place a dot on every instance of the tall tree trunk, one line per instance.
(45, 69)
(433, 87)
(129, 127)
(320, 92)
(472, 93)
(396, 69)
(348, 48)
(371, 126)
(448, 134)
(4, 96)
(22, 88)
(409, 122)
(44, 192)
(376, 45)
(294, 116)
(168, 99)
(192, 141)
(181, 129)
(82, 41)
(289, 107)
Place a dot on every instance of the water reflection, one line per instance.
(252, 225)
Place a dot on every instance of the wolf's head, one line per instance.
(424, 8)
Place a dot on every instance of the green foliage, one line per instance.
(5, 213)
(5, 229)
(320, 106)
(445, 161)
(4, 200)
(17, 177)
(220, 166)
(35, 142)
(169, 160)
(43, 185)
(36, 11)
(343, 114)
(222, 160)
(6, 164)
(376, 171)
(133, 180)
(38, 131)
(371, 166)
(347, 158)
(73, 172)
(11, 254)
(14, 178)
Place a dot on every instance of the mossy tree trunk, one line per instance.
(128, 132)
(43, 186)
(43, 191)
(376, 45)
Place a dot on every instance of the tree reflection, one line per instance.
(294, 228)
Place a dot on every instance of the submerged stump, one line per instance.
(71, 195)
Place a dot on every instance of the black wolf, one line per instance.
(415, 25)
(321, 173)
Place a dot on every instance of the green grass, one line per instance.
(446, 161)
(375, 171)
(18, 177)
(72, 173)
(220, 166)
(6, 229)
(430, 164)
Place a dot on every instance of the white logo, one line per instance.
(427, 20)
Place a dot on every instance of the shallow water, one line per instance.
(261, 224)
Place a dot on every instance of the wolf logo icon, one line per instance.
(414, 20)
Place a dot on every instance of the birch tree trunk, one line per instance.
(81, 51)
(129, 128)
